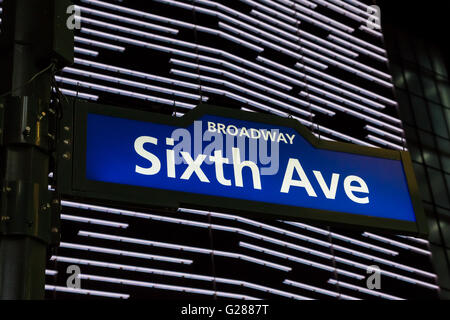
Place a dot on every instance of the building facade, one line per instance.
(419, 65)
(320, 62)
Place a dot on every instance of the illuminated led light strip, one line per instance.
(318, 290)
(346, 84)
(99, 44)
(356, 72)
(138, 13)
(79, 94)
(251, 234)
(301, 33)
(396, 243)
(87, 292)
(85, 51)
(385, 143)
(351, 8)
(216, 5)
(362, 43)
(185, 248)
(135, 42)
(349, 111)
(368, 256)
(356, 105)
(299, 260)
(320, 82)
(358, 4)
(238, 78)
(249, 92)
(316, 15)
(123, 92)
(50, 272)
(353, 104)
(127, 20)
(135, 84)
(418, 240)
(388, 273)
(123, 253)
(315, 54)
(339, 32)
(152, 36)
(94, 221)
(289, 44)
(307, 3)
(357, 48)
(255, 75)
(161, 286)
(134, 73)
(320, 136)
(305, 238)
(231, 85)
(301, 16)
(277, 14)
(337, 248)
(342, 11)
(280, 40)
(269, 44)
(363, 290)
(355, 39)
(382, 74)
(341, 237)
(333, 132)
(178, 275)
(259, 236)
(371, 32)
(193, 56)
(353, 70)
(245, 71)
(264, 25)
(236, 97)
(224, 35)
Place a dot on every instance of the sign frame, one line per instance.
(72, 181)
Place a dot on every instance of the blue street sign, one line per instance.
(248, 162)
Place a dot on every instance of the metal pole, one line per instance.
(26, 203)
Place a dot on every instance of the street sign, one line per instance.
(244, 162)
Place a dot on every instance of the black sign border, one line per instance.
(73, 184)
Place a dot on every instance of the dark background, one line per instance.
(426, 19)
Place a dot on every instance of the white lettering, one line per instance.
(330, 192)
(139, 148)
(303, 182)
(238, 166)
(194, 166)
(219, 161)
(349, 189)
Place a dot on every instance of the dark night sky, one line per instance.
(428, 19)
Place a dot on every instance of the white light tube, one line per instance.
(94, 221)
(124, 253)
(87, 292)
